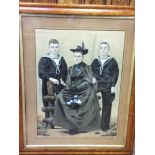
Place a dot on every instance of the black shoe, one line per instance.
(72, 131)
(104, 129)
(49, 126)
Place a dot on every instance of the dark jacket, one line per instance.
(48, 68)
(106, 76)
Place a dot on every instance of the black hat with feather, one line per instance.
(80, 49)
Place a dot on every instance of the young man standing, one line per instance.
(106, 71)
(53, 72)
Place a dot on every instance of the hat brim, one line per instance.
(83, 51)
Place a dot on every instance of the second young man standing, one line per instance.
(105, 69)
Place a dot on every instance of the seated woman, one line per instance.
(77, 107)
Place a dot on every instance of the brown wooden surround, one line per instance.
(93, 10)
(66, 9)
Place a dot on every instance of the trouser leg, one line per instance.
(51, 114)
(47, 114)
(107, 99)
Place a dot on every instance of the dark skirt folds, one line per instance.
(86, 117)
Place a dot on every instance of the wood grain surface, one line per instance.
(98, 2)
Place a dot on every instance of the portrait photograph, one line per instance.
(69, 39)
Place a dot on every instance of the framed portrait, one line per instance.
(74, 97)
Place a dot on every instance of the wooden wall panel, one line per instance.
(132, 2)
(121, 2)
(108, 2)
(68, 1)
(97, 2)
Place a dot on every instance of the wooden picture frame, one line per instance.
(88, 17)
